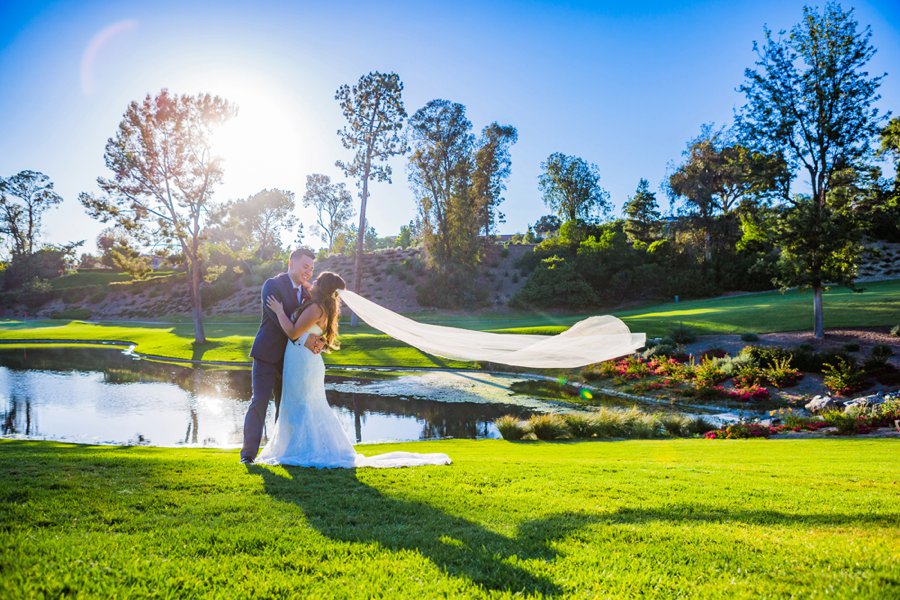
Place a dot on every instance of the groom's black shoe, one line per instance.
(246, 461)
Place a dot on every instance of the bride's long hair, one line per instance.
(324, 293)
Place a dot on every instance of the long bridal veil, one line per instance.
(592, 340)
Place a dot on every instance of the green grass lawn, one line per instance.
(229, 339)
(684, 518)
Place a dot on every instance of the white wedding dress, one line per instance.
(307, 433)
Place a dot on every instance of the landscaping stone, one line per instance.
(864, 402)
(822, 404)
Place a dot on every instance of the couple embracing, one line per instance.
(299, 322)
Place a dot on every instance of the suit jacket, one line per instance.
(270, 341)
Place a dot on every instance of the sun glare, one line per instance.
(264, 139)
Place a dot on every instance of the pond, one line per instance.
(107, 396)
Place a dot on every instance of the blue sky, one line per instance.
(623, 84)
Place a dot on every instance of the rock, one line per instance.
(864, 402)
(822, 404)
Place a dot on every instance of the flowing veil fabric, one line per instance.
(592, 340)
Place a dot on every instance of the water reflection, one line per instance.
(101, 395)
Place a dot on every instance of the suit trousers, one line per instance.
(266, 381)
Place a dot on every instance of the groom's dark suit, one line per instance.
(267, 353)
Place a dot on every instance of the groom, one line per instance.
(291, 289)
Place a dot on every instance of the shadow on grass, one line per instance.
(345, 509)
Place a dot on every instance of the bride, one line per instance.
(307, 432)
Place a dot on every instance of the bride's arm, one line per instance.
(305, 321)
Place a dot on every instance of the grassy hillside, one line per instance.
(688, 518)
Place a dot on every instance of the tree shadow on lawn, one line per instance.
(345, 509)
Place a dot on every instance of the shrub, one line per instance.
(851, 347)
(554, 283)
(632, 367)
(848, 422)
(549, 427)
(895, 331)
(683, 335)
(741, 430)
(781, 374)
(842, 376)
(72, 314)
(745, 394)
(877, 360)
(748, 375)
(510, 427)
(603, 370)
(749, 337)
(708, 373)
(581, 426)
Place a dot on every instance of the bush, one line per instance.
(510, 428)
(741, 430)
(748, 375)
(554, 284)
(895, 331)
(851, 347)
(781, 374)
(708, 373)
(749, 337)
(842, 376)
(72, 314)
(683, 335)
(549, 427)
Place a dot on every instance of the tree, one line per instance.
(405, 239)
(117, 250)
(333, 204)
(24, 198)
(810, 100)
(642, 213)
(571, 187)
(718, 176)
(882, 204)
(492, 168)
(164, 172)
(375, 114)
(440, 169)
(264, 216)
(547, 225)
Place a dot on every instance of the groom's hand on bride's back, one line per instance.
(315, 343)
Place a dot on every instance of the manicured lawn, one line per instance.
(683, 518)
(230, 339)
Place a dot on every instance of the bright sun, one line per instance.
(264, 139)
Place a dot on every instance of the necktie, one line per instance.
(299, 295)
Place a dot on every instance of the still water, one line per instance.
(105, 396)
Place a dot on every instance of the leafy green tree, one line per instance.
(571, 187)
(492, 168)
(881, 204)
(554, 283)
(718, 176)
(333, 204)
(547, 225)
(253, 226)
(164, 172)
(642, 213)
(810, 100)
(405, 239)
(24, 198)
(374, 133)
(440, 168)
(118, 251)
